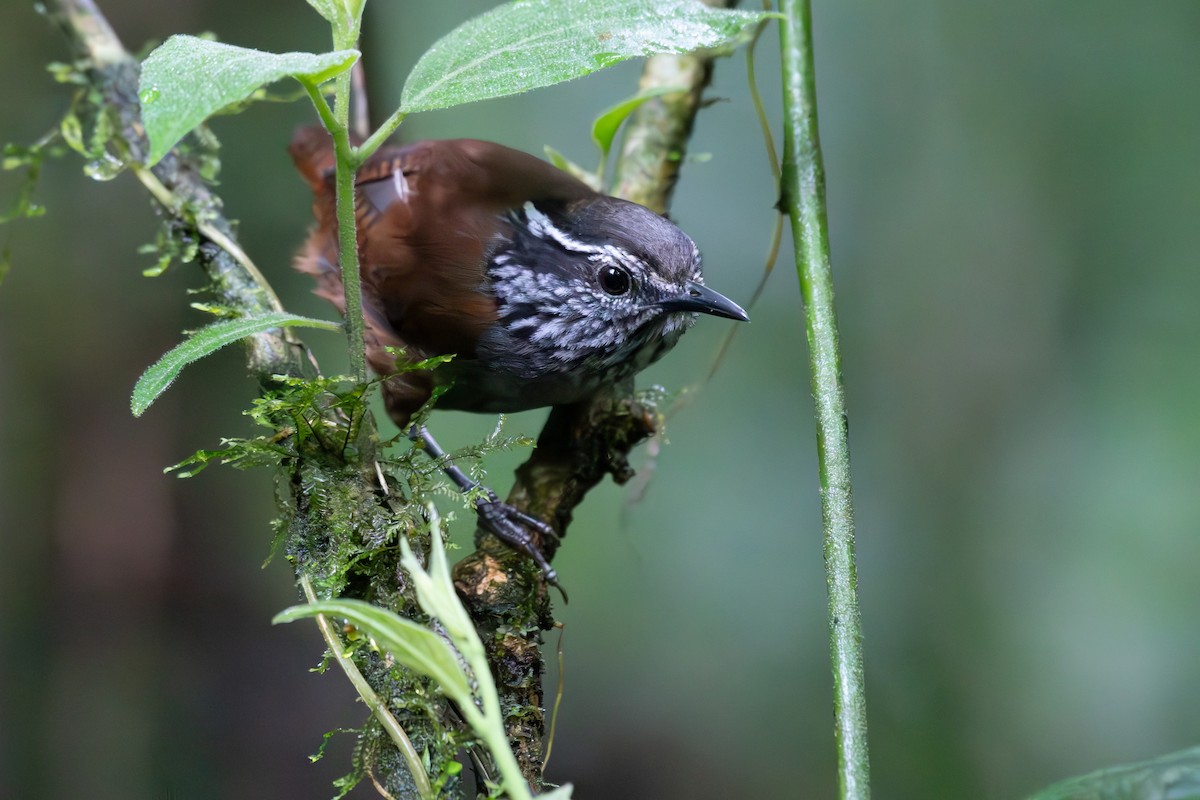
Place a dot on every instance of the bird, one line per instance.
(542, 289)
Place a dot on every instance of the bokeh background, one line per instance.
(1014, 196)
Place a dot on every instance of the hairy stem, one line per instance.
(345, 36)
(803, 189)
(373, 142)
(348, 249)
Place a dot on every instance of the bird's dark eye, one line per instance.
(615, 280)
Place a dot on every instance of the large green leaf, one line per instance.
(186, 80)
(527, 44)
(417, 647)
(163, 373)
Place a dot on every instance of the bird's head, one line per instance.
(598, 282)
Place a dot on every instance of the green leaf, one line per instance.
(331, 10)
(417, 647)
(344, 15)
(528, 44)
(1175, 776)
(186, 80)
(437, 597)
(605, 128)
(162, 374)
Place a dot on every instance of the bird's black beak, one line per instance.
(699, 298)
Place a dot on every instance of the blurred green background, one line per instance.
(1014, 196)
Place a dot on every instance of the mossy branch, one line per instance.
(176, 183)
(336, 510)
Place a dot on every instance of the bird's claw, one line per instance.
(515, 528)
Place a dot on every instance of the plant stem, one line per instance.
(348, 247)
(364, 151)
(389, 723)
(803, 188)
(214, 234)
(345, 168)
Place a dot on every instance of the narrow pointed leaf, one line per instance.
(416, 647)
(605, 128)
(527, 44)
(163, 373)
(186, 80)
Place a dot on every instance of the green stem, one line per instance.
(489, 725)
(348, 247)
(336, 120)
(803, 189)
(334, 642)
(363, 152)
(324, 111)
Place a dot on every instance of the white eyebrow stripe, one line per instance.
(541, 226)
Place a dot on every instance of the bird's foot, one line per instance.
(515, 528)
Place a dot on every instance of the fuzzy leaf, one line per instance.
(341, 14)
(331, 10)
(417, 647)
(605, 128)
(186, 80)
(527, 44)
(1175, 776)
(163, 373)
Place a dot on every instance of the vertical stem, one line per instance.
(803, 188)
(348, 249)
(345, 170)
(378, 708)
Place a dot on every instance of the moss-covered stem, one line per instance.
(177, 186)
(803, 188)
(389, 723)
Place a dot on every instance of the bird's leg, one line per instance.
(508, 523)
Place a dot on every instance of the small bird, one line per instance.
(543, 289)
